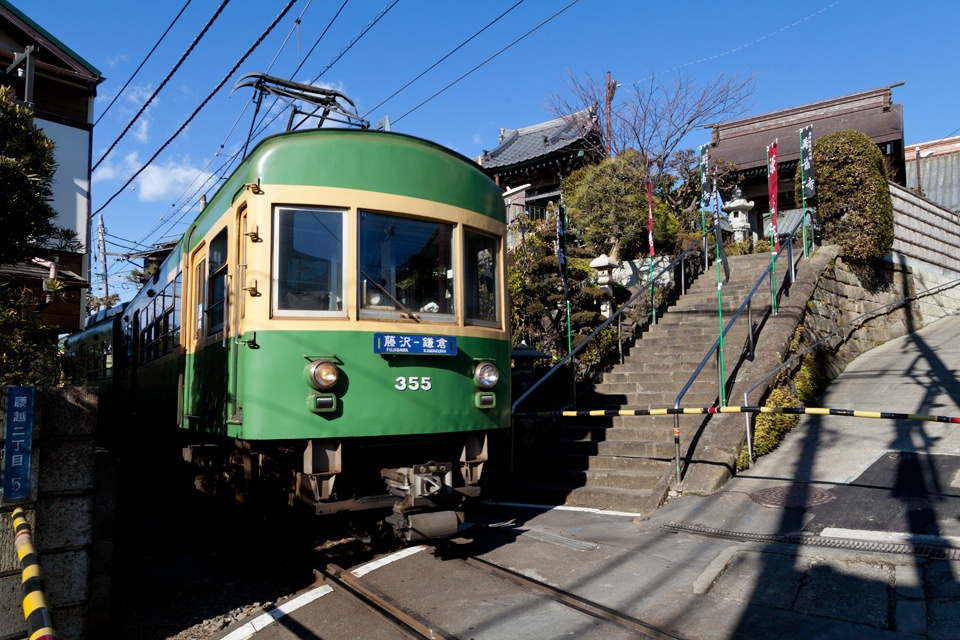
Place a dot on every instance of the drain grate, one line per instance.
(923, 551)
(792, 496)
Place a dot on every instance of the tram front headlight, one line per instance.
(486, 375)
(321, 374)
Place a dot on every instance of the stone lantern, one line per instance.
(605, 266)
(738, 211)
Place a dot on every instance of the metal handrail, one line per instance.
(800, 354)
(736, 316)
(716, 343)
(605, 323)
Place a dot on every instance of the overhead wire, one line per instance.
(143, 62)
(431, 67)
(188, 200)
(742, 46)
(200, 107)
(487, 60)
(363, 31)
(170, 74)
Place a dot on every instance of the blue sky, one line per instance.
(796, 52)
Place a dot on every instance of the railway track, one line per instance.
(521, 602)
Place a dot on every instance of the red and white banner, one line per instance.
(649, 211)
(772, 176)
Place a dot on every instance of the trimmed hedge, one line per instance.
(853, 198)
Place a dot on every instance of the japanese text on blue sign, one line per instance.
(18, 443)
(419, 345)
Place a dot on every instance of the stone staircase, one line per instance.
(627, 462)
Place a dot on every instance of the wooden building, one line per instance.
(60, 87)
(744, 142)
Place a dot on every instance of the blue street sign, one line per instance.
(18, 443)
(400, 343)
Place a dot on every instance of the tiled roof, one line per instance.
(525, 144)
(35, 271)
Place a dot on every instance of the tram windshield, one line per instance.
(406, 268)
(308, 261)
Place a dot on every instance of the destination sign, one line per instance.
(401, 343)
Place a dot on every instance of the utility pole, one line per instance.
(102, 247)
(611, 89)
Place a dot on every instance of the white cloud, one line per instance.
(141, 130)
(169, 181)
(115, 61)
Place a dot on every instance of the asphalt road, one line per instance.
(850, 530)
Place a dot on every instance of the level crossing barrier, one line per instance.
(35, 609)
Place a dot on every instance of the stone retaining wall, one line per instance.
(61, 517)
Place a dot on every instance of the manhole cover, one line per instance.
(791, 496)
(901, 455)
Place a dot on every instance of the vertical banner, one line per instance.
(774, 188)
(18, 444)
(562, 247)
(653, 305)
(807, 172)
(807, 177)
(704, 190)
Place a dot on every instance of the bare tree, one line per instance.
(653, 117)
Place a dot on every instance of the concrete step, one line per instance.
(642, 503)
(612, 478)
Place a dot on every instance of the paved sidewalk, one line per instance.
(848, 530)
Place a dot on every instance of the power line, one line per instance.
(343, 51)
(431, 67)
(487, 60)
(201, 106)
(743, 46)
(183, 58)
(124, 88)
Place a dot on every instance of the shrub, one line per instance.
(853, 198)
(769, 428)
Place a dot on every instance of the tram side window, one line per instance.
(406, 266)
(308, 261)
(217, 283)
(481, 278)
(97, 360)
(161, 323)
(199, 286)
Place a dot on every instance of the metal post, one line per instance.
(753, 346)
(746, 417)
(793, 267)
(683, 275)
(676, 444)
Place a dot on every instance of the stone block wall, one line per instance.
(843, 295)
(927, 240)
(60, 513)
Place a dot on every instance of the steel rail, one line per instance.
(588, 607)
(383, 605)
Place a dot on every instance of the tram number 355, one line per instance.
(413, 383)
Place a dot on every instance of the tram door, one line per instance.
(237, 308)
(207, 362)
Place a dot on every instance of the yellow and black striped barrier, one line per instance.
(35, 610)
(673, 411)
